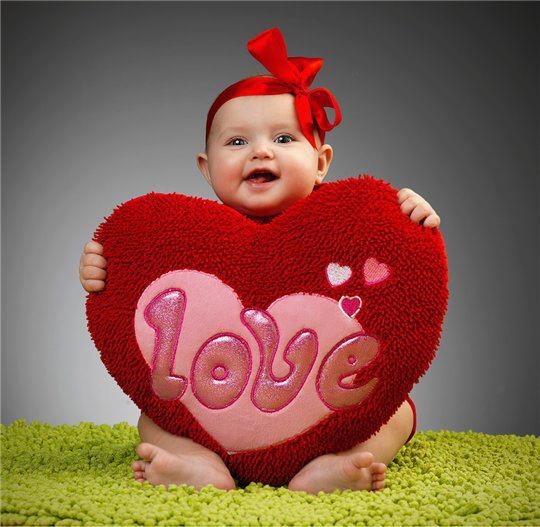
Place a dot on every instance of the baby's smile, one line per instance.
(261, 180)
(260, 183)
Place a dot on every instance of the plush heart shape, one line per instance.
(243, 336)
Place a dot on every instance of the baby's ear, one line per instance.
(323, 162)
(202, 163)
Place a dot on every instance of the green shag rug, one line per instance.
(81, 475)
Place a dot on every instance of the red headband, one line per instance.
(291, 75)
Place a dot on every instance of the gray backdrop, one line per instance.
(103, 102)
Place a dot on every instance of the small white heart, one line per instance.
(337, 274)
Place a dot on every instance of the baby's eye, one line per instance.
(285, 135)
(233, 141)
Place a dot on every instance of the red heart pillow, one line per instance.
(270, 343)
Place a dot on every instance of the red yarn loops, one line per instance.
(290, 75)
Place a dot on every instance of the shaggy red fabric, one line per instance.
(345, 221)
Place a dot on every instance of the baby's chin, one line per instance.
(257, 210)
(265, 213)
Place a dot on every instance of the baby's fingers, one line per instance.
(90, 272)
(93, 259)
(405, 193)
(432, 221)
(410, 204)
(93, 247)
(420, 212)
(91, 286)
(92, 278)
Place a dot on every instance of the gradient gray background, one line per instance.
(103, 102)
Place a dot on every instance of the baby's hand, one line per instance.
(92, 265)
(418, 208)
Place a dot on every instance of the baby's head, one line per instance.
(272, 124)
(261, 132)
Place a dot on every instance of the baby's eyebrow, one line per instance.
(231, 129)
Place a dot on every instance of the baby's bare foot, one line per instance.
(160, 467)
(344, 471)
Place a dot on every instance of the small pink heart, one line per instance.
(350, 305)
(375, 272)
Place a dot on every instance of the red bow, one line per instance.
(297, 73)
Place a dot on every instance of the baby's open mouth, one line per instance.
(261, 177)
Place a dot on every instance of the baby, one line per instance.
(262, 124)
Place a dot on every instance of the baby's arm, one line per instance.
(418, 208)
(92, 266)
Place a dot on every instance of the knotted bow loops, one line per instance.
(296, 73)
(319, 99)
(300, 90)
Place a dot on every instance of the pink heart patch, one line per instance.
(375, 272)
(251, 377)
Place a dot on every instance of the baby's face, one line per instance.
(261, 132)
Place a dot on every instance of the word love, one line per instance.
(223, 363)
(270, 374)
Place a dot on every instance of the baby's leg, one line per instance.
(363, 467)
(170, 459)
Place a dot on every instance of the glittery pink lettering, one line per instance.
(344, 360)
(221, 371)
(164, 314)
(269, 392)
(222, 367)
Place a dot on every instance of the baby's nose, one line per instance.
(262, 149)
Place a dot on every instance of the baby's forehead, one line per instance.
(252, 109)
(261, 121)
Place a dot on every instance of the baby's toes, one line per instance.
(378, 469)
(138, 471)
(139, 476)
(378, 477)
(355, 470)
(138, 466)
(377, 485)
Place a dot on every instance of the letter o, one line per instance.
(220, 371)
